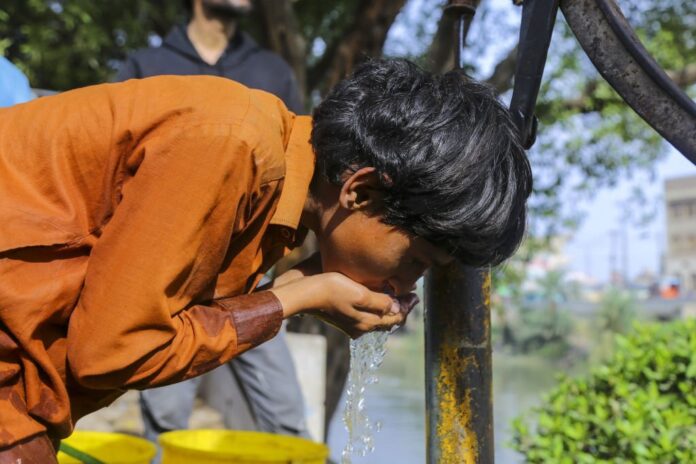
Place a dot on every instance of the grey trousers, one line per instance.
(267, 384)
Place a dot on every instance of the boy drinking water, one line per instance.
(137, 218)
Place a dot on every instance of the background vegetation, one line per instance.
(638, 407)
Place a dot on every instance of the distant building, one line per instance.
(680, 260)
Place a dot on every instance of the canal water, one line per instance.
(398, 402)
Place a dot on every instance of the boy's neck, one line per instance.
(210, 35)
(311, 214)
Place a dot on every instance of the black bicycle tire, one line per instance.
(618, 55)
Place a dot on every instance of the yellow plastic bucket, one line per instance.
(238, 447)
(112, 448)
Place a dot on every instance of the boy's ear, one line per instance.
(361, 191)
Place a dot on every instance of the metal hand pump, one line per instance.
(458, 371)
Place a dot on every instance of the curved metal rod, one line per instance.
(538, 19)
(628, 38)
(621, 59)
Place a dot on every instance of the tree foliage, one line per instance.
(71, 43)
(588, 137)
(639, 407)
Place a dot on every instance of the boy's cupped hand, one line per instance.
(340, 301)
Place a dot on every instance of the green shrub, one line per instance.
(638, 407)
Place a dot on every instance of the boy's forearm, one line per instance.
(197, 340)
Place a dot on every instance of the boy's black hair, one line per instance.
(452, 168)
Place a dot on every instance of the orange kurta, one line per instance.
(134, 219)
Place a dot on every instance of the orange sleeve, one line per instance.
(135, 324)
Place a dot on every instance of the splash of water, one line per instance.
(366, 356)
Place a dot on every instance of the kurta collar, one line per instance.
(299, 168)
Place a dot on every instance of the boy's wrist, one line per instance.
(290, 299)
(296, 296)
(287, 277)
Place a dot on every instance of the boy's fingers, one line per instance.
(373, 322)
(379, 303)
(389, 321)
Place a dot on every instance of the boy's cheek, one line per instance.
(371, 264)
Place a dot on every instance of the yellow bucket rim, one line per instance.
(171, 440)
(95, 435)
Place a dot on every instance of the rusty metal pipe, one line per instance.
(459, 400)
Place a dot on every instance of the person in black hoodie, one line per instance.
(212, 44)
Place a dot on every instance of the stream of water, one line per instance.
(366, 357)
(398, 402)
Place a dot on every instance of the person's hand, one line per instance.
(336, 299)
